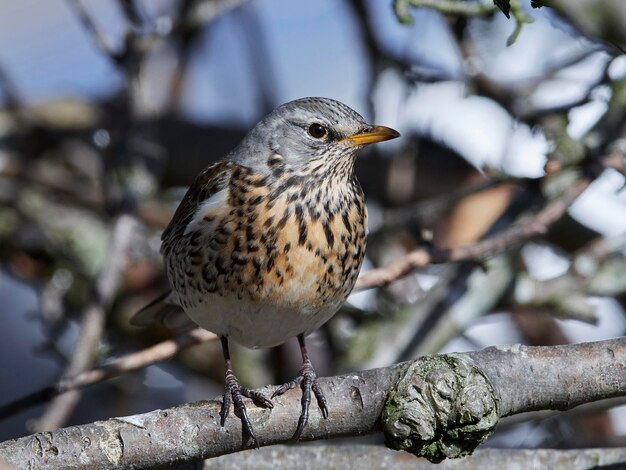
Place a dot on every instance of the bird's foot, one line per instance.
(233, 393)
(307, 379)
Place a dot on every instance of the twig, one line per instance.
(450, 320)
(426, 212)
(13, 101)
(91, 28)
(466, 9)
(514, 235)
(521, 18)
(207, 12)
(92, 325)
(519, 379)
(133, 361)
(394, 336)
(596, 251)
(9, 90)
(132, 12)
(447, 7)
(598, 269)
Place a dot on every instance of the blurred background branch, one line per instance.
(92, 324)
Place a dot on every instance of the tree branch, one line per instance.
(599, 269)
(446, 7)
(92, 325)
(130, 362)
(98, 37)
(423, 256)
(375, 456)
(438, 402)
(428, 211)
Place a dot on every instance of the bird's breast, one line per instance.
(294, 246)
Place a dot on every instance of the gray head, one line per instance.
(307, 130)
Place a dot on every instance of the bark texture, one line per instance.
(341, 457)
(444, 405)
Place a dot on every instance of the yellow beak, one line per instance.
(372, 135)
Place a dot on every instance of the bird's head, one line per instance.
(308, 131)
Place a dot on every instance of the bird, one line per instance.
(267, 243)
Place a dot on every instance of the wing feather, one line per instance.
(165, 309)
(212, 179)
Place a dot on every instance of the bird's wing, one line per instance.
(165, 309)
(211, 180)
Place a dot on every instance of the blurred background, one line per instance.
(108, 110)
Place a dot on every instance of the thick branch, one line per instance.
(521, 379)
(554, 377)
(372, 456)
(446, 405)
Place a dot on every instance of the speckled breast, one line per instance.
(295, 243)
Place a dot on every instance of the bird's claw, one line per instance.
(307, 379)
(233, 393)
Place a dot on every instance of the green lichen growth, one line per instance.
(442, 407)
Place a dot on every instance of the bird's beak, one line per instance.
(372, 135)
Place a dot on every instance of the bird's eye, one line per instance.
(317, 130)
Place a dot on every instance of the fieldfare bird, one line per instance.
(268, 242)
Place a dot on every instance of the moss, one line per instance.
(443, 407)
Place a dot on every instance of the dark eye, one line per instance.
(317, 130)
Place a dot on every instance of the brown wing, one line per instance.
(212, 179)
(165, 309)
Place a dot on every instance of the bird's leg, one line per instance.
(307, 379)
(233, 391)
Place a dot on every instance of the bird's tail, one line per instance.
(164, 310)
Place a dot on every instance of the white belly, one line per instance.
(255, 324)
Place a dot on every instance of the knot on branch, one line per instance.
(442, 407)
